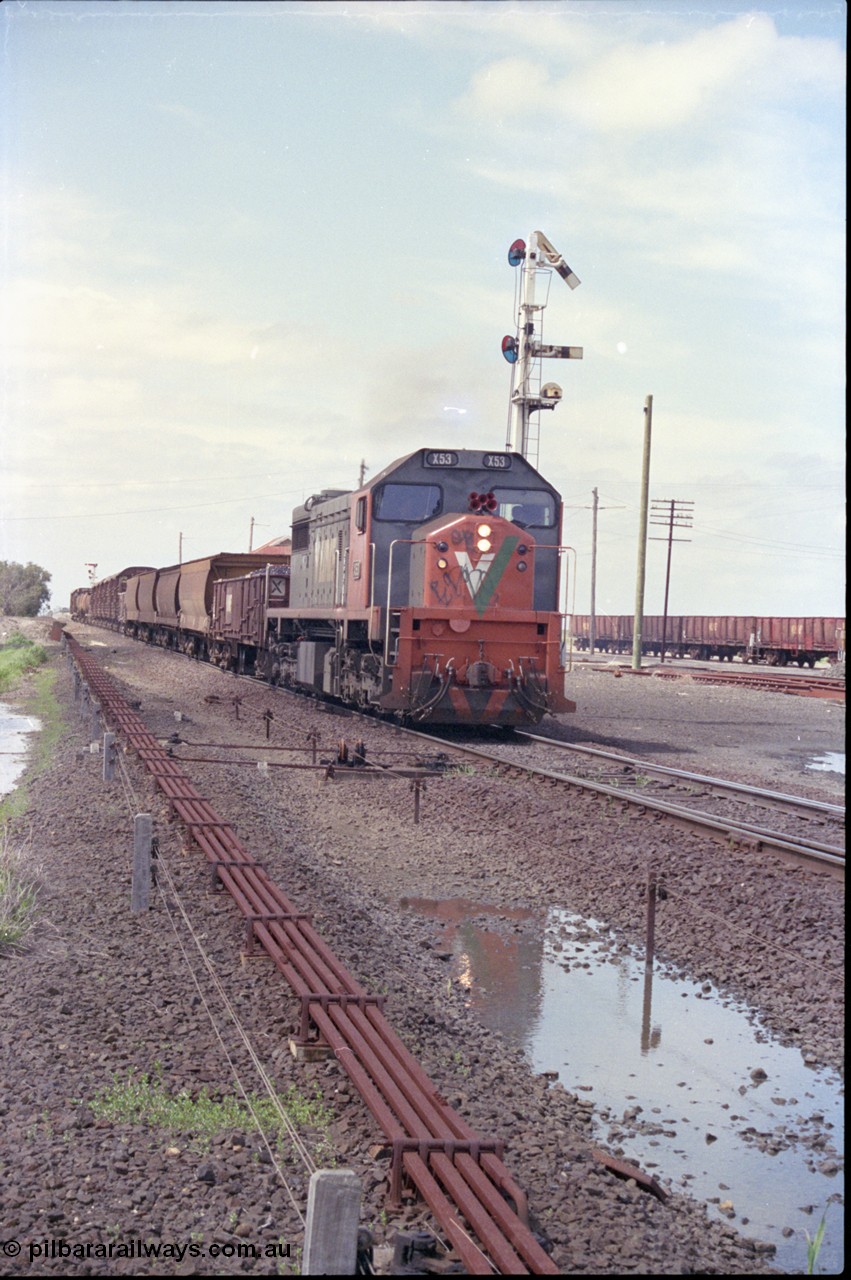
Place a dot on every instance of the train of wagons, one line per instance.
(775, 641)
(430, 594)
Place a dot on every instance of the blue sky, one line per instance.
(247, 246)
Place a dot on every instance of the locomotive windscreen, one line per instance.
(527, 507)
(414, 503)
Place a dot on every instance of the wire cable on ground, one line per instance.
(286, 1123)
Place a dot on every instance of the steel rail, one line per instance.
(802, 804)
(460, 1175)
(806, 686)
(827, 857)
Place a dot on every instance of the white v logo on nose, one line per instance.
(474, 575)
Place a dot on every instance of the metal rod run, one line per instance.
(466, 1190)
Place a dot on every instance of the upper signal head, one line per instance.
(509, 348)
(517, 253)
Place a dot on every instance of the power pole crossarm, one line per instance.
(595, 507)
(680, 513)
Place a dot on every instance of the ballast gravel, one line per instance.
(99, 997)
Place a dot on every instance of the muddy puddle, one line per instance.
(13, 746)
(685, 1083)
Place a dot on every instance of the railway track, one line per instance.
(803, 686)
(641, 783)
(793, 845)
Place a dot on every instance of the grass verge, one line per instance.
(18, 655)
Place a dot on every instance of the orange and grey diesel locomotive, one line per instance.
(432, 593)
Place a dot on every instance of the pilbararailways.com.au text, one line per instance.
(155, 1249)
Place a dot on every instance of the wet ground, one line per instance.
(686, 1084)
(830, 762)
(13, 745)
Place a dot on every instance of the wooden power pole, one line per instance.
(638, 624)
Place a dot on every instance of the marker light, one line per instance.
(483, 530)
(443, 546)
(483, 502)
(522, 549)
(522, 566)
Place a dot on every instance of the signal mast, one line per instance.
(525, 351)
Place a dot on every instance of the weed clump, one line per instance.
(18, 655)
(141, 1099)
(18, 892)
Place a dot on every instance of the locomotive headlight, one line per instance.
(483, 544)
(442, 564)
(483, 531)
(521, 566)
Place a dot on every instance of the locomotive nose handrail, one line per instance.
(396, 541)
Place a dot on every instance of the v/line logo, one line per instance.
(474, 575)
(483, 577)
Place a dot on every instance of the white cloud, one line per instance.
(166, 339)
(642, 87)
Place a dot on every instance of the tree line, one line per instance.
(23, 589)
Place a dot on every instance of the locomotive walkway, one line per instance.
(460, 1175)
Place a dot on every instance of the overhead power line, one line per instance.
(147, 511)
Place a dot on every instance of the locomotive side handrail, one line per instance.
(372, 576)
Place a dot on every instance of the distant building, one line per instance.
(281, 545)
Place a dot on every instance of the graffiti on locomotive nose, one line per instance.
(481, 577)
(474, 575)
